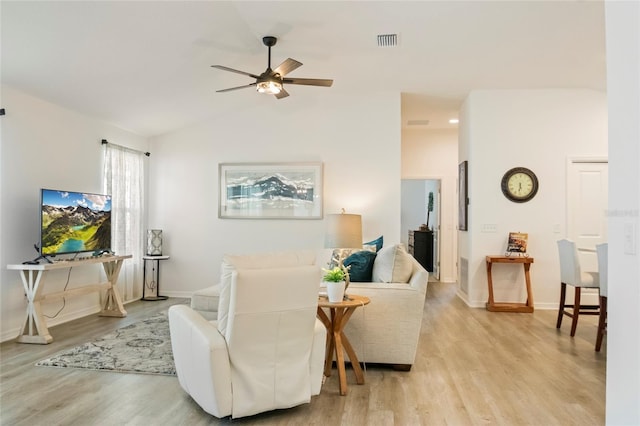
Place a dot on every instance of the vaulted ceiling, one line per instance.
(146, 65)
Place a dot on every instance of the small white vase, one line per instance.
(335, 291)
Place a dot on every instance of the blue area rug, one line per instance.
(142, 347)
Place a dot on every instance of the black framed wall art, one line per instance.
(463, 198)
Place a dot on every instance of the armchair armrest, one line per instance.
(201, 359)
(316, 366)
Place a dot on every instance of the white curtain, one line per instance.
(123, 178)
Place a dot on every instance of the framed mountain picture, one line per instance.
(270, 191)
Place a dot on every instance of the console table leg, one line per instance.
(33, 289)
(527, 279)
(490, 301)
(113, 304)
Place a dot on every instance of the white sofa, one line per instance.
(387, 330)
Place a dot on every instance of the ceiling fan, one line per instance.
(272, 81)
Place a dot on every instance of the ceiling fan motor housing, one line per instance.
(269, 41)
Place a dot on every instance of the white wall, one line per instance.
(433, 154)
(413, 213)
(623, 333)
(44, 145)
(537, 129)
(357, 137)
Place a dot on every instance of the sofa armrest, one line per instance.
(419, 277)
(387, 330)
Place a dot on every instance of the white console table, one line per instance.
(34, 329)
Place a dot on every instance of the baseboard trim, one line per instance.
(185, 294)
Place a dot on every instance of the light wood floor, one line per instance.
(473, 367)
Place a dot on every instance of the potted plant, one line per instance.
(429, 208)
(335, 279)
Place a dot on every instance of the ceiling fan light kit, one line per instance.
(272, 81)
(269, 87)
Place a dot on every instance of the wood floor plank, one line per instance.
(473, 367)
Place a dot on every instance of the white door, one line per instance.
(587, 196)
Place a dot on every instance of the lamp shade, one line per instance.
(343, 231)
(154, 242)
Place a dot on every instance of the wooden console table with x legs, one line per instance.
(337, 342)
(34, 328)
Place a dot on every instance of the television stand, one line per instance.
(34, 329)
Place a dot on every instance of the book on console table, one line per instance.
(517, 244)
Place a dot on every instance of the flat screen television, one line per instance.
(74, 222)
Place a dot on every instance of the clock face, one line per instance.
(519, 184)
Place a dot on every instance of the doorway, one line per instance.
(415, 195)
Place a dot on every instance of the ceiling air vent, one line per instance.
(387, 40)
(417, 122)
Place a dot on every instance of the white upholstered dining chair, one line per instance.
(571, 274)
(602, 251)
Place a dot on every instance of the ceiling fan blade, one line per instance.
(235, 88)
(223, 68)
(287, 66)
(308, 81)
(282, 94)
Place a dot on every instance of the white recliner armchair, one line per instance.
(266, 350)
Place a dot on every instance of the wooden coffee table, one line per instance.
(337, 341)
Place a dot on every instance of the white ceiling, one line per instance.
(145, 65)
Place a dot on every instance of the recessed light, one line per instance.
(453, 121)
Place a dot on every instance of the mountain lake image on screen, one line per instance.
(74, 222)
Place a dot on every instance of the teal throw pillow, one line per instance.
(377, 242)
(361, 266)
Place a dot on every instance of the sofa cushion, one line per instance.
(361, 266)
(392, 265)
(377, 243)
(206, 301)
(344, 253)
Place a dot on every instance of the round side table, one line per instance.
(337, 342)
(153, 285)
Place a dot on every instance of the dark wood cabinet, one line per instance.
(421, 247)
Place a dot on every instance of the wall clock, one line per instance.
(519, 184)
